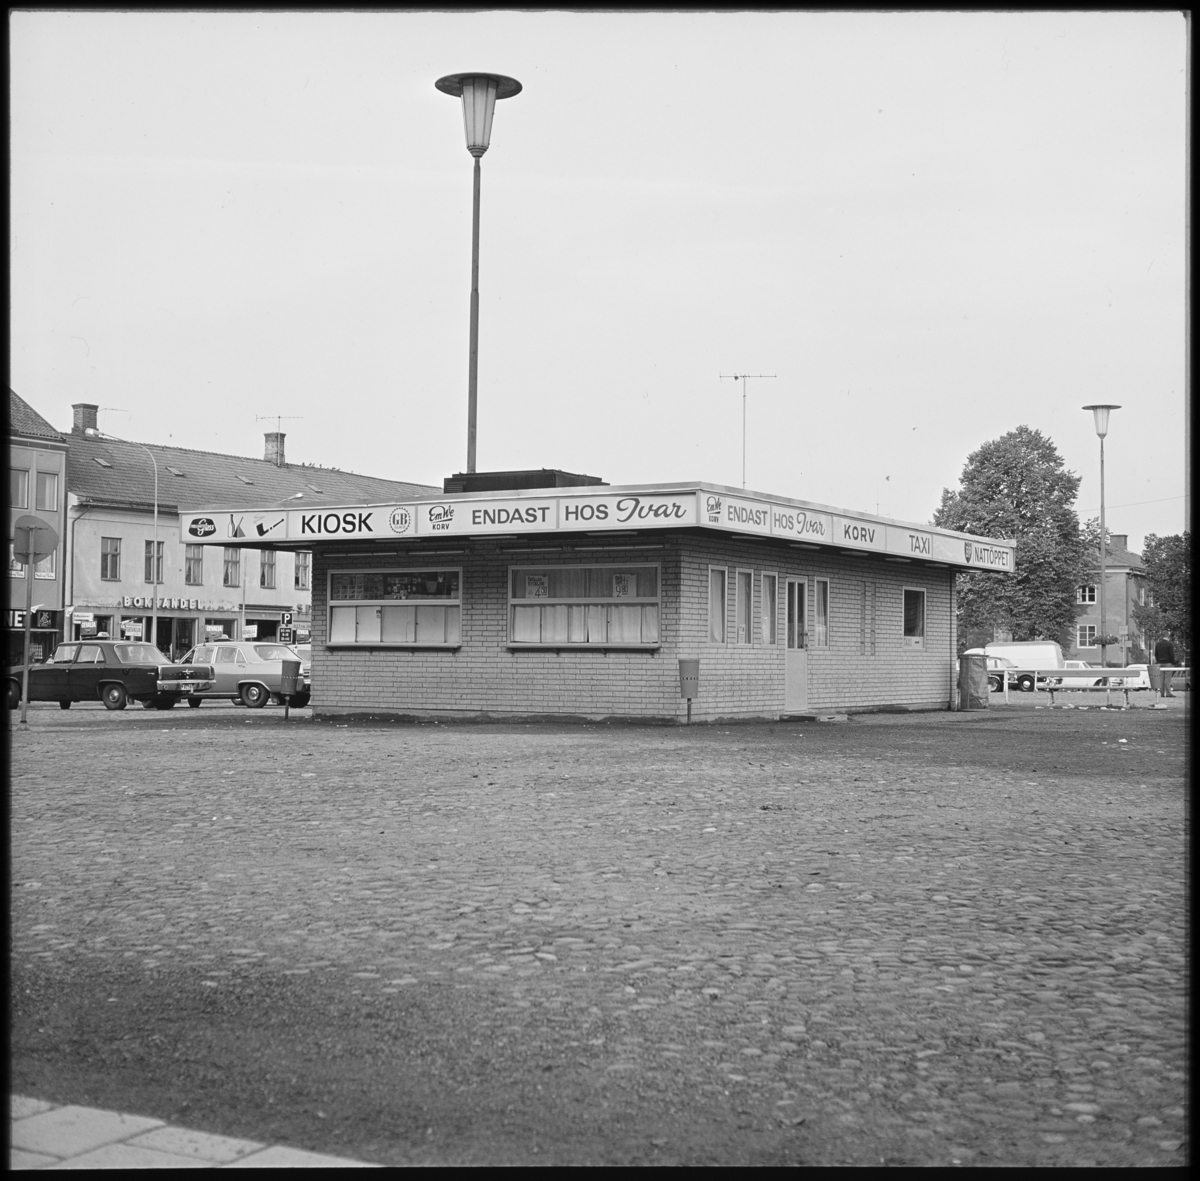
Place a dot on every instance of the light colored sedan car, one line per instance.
(1139, 680)
(1077, 681)
(249, 671)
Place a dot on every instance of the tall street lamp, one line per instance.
(93, 433)
(1100, 415)
(479, 93)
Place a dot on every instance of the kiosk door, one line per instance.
(795, 693)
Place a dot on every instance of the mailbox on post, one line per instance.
(689, 682)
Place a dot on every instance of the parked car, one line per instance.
(1139, 680)
(996, 666)
(112, 671)
(1079, 682)
(249, 671)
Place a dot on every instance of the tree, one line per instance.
(1017, 489)
(1168, 607)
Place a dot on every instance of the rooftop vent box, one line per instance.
(546, 477)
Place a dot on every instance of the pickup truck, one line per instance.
(112, 671)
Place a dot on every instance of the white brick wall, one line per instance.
(856, 671)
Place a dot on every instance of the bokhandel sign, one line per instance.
(596, 511)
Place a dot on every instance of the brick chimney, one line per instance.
(274, 449)
(85, 416)
(1119, 540)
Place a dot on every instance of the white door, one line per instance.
(795, 693)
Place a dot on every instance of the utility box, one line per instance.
(973, 688)
(289, 678)
(689, 678)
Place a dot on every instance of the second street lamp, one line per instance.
(1100, 415)
(479, 93)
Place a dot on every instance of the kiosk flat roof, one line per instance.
(594, 509)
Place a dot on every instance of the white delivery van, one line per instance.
(1039, 654)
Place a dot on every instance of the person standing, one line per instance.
(1164, 654)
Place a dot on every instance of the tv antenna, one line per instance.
(276, 418)
(743, 378)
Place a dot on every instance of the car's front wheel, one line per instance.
(254, 696)
(113, 696)
(1025, 684)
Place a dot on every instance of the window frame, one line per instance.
(23, 501)
(302, 571)
(265, 567)
(1081, 594)
(331, 603)
(110, 559)
(232, 561)
(739, 574)
(193, 563)
(37, 492)
(606, 601)
(724, 616)
(773, 641)
(147, 560)
(820, 630)
(905, 638)
(1087, 632)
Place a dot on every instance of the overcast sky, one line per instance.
(931, 227)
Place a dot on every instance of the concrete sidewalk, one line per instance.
(48, 1137)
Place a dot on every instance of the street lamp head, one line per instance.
(479, 93)
(1100, 413)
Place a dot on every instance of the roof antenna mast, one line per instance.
(743, 378)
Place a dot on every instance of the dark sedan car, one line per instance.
(112, 671)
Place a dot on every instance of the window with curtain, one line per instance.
(821, 614)
(193, 565)
(716, 605)
(266, 569)
(584, 606)
(743, 607)
(303, 572)
(47, 491)
(396, 608)
(110, 559)
(154, 561)
(233, 567)
(18, 487)
(769, 609)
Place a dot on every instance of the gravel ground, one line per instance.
(912, 939)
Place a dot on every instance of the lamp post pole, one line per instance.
(1100, 416)
(479, 93)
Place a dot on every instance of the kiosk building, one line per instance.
(549, 594)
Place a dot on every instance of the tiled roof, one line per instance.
(105, 471)
(24, 420)
(1119, 556)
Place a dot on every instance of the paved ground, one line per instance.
(916, 939)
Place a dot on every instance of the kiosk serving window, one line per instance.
(583, 606)
(397, 608)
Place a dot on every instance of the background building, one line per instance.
(1125, 585)
(37, 460)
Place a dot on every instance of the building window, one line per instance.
(46, 568)
(716, 605)
(154, 561)
(821, 615)
(193, 565)
(1085, 594)
(742, 610)
(303, 580)
(403, 608)
(581, 606)
(233, 566)
(15, 568)
(110, 559)
(47, 491)
(1086, 636)
(914, 618)
(769, 609)
(18, 487)
(266, 569)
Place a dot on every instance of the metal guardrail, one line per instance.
(1108, 675)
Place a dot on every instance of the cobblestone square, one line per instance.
(915, 939)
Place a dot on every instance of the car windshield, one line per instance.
(140, 654)
(274, 652)
(63, 654)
